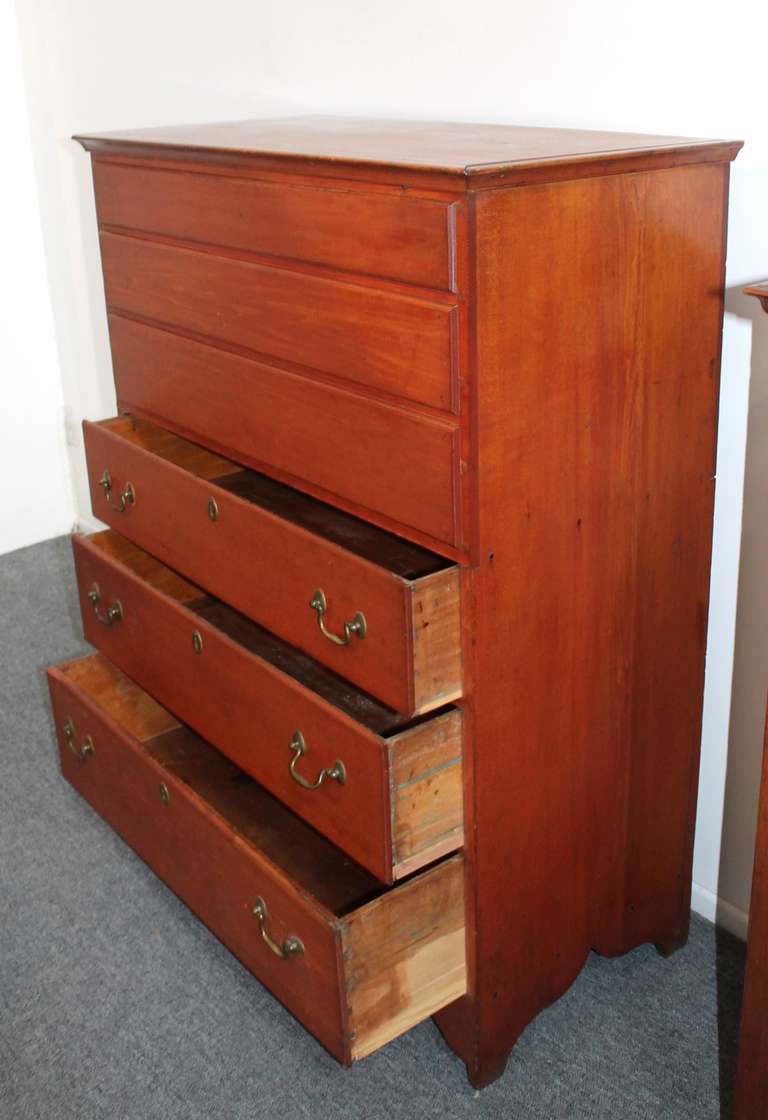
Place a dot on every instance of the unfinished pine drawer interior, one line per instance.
(381, 612)
(357, 965)
(385, 789)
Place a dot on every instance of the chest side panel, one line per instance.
(597, 329)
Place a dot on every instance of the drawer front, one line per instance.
(396, 344)
(391, 466)
(398, 803)
(389, 235)
(202, 861)
(270, 568)
(362, 972)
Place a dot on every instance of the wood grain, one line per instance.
(120, 698)
(247, 693)
(586, 629)
(259, 556)
(162, 444)
(397, 344)
(435, 629)
(552, 426)
(405, 238)
(312, 435)
(183, 840)
(213, 817)
(426, 791)
(405, 956)
(454, 156)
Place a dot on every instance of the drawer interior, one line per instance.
(368, 711)
(317, 866)
(405, 560)
(372, 961)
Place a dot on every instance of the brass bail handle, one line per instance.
(336, 773)
(358, 626)
(112, 614)
(127, 496)
(291, 947)
(86, 747)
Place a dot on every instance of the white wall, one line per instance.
(37, 500)
(648, 65)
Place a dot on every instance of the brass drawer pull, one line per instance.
(291, 947)
(85, 748)
(127, 497)
(112, 614)
(337, 772)
(357, 626)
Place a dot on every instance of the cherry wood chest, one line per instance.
(401, 613)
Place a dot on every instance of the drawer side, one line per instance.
(426, 792)
(404, 956)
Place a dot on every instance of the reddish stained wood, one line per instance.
(408, 239)
(181, 841)
(586, 618)
(355, 1001)
(398, 344)
(761, 291)
(443, 155)
(267, 566)
(585, 459)
(250, 707)
(315, 434)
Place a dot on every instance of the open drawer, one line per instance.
(385, 789)
(357, 965)
(278, 555)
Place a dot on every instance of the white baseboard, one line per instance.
(88, 525)
(719, 911)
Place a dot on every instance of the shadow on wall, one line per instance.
(748, 694)
(750, 665)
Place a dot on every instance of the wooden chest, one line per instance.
(401, 613)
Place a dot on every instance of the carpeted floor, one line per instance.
(116, 1003)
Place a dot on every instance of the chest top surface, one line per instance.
(463, 152)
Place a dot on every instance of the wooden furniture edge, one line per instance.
(457, 179)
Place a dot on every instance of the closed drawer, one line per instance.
(357, 965)
(388, 464)
(393, 797)
(267, 549)
(398, 344)
(389, 235)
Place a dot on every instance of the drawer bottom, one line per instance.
(356, 964)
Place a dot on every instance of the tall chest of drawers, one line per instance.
(401, 615)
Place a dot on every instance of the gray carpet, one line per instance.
(116, 1003)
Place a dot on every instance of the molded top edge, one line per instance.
(425, 147)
